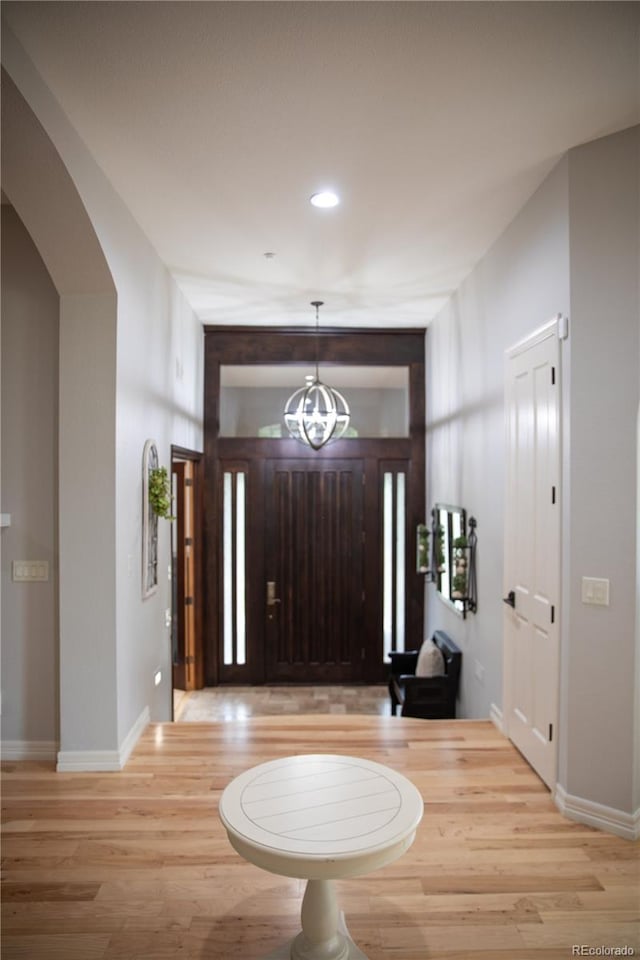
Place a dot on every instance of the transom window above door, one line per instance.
(253, 398)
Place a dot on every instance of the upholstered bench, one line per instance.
(430, 697)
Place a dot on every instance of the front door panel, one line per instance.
(314, 570)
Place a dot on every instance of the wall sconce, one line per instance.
(463, 567)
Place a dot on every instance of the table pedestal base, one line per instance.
(324, 933)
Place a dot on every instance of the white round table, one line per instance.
(320, 817)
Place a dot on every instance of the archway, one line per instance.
(38, 185)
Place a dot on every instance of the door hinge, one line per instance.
(188, 482)
(553, 494)
(188, 541)
(189, 659)
(364, 537)
(550, 732)
(188, 601)
(553, 376)
(553, 614)
(362, 653)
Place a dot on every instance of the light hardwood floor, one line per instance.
(136, 865)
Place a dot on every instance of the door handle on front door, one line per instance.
(510, 599)
(271, 593)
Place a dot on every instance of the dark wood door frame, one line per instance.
(178, 641)
(246, 346)
(179, 455)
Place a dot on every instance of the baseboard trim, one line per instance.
(495, 715)
(108, 761)
(88, 761)
(625, 825)
(29, 749)
(133, 736)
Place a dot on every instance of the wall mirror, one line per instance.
(454, 557)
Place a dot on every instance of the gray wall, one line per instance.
(636, 720)
(88, 718)
(30, 307)
(520, 284)
(600, 469)
(131, 369)
(573, 249)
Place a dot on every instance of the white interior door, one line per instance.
(532, 550)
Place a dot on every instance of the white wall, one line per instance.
(520, 284)
(30, 307)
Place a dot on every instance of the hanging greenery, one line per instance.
(440, 558)
(160, 492)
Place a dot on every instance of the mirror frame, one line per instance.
(448, 523)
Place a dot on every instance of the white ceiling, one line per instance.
(435, 122)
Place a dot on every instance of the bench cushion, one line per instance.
(430, 661)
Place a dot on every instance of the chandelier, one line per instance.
(316, 413)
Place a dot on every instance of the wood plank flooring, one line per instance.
(136, 865)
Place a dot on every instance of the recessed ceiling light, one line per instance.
(325, 198)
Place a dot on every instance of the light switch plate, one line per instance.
(30, 571)
(595, 590)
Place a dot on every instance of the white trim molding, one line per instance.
(85, 761)
(133, 736)
(548, 329)
(77, 761)
(625, 825)
(496, 717)
(29, 749)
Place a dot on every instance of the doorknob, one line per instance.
(510, 598)
(271, 593)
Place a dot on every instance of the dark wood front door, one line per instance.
(332, 530)
(314, 570)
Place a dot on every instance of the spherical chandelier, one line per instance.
(316, 413)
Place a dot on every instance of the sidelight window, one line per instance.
(393, 561)
(233, 567)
